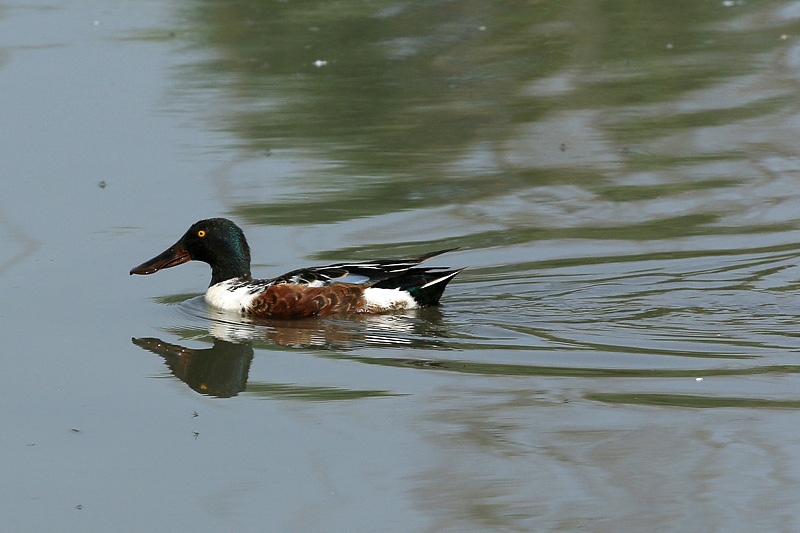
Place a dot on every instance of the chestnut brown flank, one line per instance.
(289, 300)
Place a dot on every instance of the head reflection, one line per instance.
(219, 371)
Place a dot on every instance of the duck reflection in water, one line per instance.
(219, 371)
(222, 370)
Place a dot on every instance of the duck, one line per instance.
(376, 286)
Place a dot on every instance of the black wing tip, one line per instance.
(429, 255)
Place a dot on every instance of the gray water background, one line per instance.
(623, 181)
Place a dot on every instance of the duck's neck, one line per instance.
(228, 270)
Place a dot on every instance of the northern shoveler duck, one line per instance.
(366, 287)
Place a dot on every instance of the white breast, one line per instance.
(231, 295)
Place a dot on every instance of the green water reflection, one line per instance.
(424, 105)
(694, 401)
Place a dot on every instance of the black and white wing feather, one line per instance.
(367, 272)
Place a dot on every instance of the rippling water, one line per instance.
(689, 315)
(622, 179)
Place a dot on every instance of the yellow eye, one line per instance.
(201, 233)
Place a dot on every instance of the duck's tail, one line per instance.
(424, 285)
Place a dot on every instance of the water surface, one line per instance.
(621, 179)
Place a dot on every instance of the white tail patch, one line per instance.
(387, 299)
(443, 278)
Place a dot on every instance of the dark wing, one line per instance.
(366, 272)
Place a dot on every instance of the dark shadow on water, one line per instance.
(222, 371)
(219, 371)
